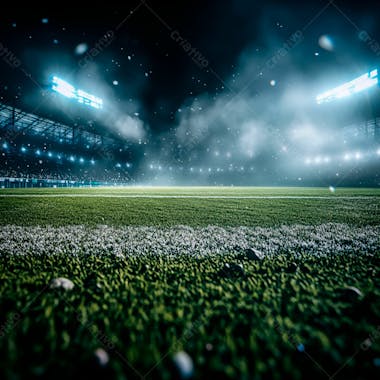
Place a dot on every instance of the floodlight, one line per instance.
(66, 89)
(359, 84)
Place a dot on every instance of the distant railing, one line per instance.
(21, 183)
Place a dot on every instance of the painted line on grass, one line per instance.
(80, 240)
(349, 197)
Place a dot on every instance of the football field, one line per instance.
(234, 282)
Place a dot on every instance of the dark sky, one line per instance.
(220, 30)
(159, 85)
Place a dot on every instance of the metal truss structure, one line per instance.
(15, 122)
(369, 130)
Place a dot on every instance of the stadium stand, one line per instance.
(37, 152)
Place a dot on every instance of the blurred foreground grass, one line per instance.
(282, 318)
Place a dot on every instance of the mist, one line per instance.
(262, 132)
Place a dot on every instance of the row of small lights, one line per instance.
(70, 158)
(201, 170)
(346, 157)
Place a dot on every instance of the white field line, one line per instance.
(324, 239)
(154, 196)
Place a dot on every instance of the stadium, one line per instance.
(174, 207)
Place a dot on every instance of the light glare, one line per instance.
(69, 91)
(359, 84)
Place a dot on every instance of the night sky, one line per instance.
(196, 82)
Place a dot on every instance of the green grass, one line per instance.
(253, 323)
(144, 309)
(205, 190)
(190, 211)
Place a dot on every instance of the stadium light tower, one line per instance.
(66, 89)
(359, 84)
